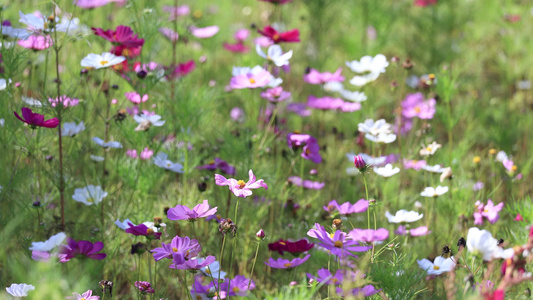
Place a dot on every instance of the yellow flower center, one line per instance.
(485, 210)
(104, 62)
(417, 109)
(282, 243)
(431, 76)
(287, 265)
(82, 299)
(476, 159)
(252, 81)
(241, 184)
(429, 148)
(126, 52)
(436, 267)
(236, 289)
(212, 162)
(514, 168)
(169, 164)
(149, 231)
(174, 249)
(275, 37)
(208, 270)
(338, 244)
(90, 200)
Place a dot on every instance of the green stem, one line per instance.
(253, 265)
(221, 259)
(368, 210)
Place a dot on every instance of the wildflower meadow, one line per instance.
(266, 149)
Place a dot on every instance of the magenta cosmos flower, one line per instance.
(488, 211)
(246, 78)
(183, 69)
(291, 36)
(182, 212)
(347, 208)
(315, 77)
(86, 249)
(424, 3)
(239, 187)
(220, 164)
(368, 235)
(143, 230)
(36, 42)
(414, 105)
(281, 263)
(122, 35)
(238, 47)
(185, 245)
(85, 296)
(144, 287)
(136, 98)
(36, 120)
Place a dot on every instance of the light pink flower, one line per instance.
(315, 77)
(169, 34)
(36, 42)
(205, 32)
(136, 98)
(251, 78)
(239, 187)
(182, 10)
(242, 34)
(146, 153)
(489, 211)
(414, 164)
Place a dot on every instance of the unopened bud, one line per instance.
(260, 235)
(360, 163)
(407, 64)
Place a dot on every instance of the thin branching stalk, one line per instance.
(253, 265)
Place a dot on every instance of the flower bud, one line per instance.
(260, 235)
(360, 163)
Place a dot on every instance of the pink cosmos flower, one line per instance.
(424, 3)
(276, 94)
(146, 154)
(36, 120)
(189, 247)
(508, 165)
(175, 12)
(419, 231)
(135, 97)
(122, 35)
(182, 212)
(242, 34)
(347, 208)
(88, 4)
(132, 153)
(369, 235)
(143, 230)
(281, 263)
(330, 103)
(169, 34)
(205, 32)
(65, 100)
(144, 287)
(315, 77)
(488, 211)
(519, 217)
(414, 105)
(88, 295)
(263, 41)
(308, 184)
(237, 114)
(240, 188)
(238, 47)
(183, 69)
(87, 249)
(250, 78)
(36, 42)
(46, 256)
(413, 164)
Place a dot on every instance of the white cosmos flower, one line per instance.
(38, 24)
(2, 122)
(123, 225)
(333, 86)
(429, 149)
(437, 267)
(89, 195)
(481, 242)
(97, 158)
(3, 83)
(385, 138)
(274, 54)
(373, 161)
(16, 33)
(275, 82)
(19, 290)
(31, 101)
(71, 129)
(354, 96)
(434, 192)
(161, 160)
(146, 121)
(374, 127)
(386, 171)
(502, 156)
(368, 67)
(101, 143)
(98, 61)
(404, 216)
(212, 269)
(433, 169)
(51, 243)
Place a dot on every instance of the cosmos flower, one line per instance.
(424, 3)
(315, 77)
(338, 244)
(281, 263)
(98, 61)
(36, 120)
(438, 266)
(169, 34)
(178, 11)
(135, 98)
(122, 35)
(330, 103)
(16, 33)
(375, 127)
(250, 78)
(182, 212)
(276, 94)
(366, 291)
(433, 169)
(369, 67)
(88, 295)
(19, 290)
(205, 32)
(414, 164)
(239, 187)
(294, 248)
(192, 264)
(326, 277)
(183, 69)
(347, 208)
(111, 144)
(87, 249)
(368, 235)
(308, 184)
(386, 171)
(355, 96)
(189, 248)
(274, 54)
(279, 2)
(213, 270)
(238, 47)
(299, 109)
(36, 42)
(414, 105)
(89, 195)
(488, 211)
(404, 216)
(292, 36)
(481, 242)
(147, 121)
(67, 101)
(47, 246)
(143, 230)
(220, 164)
(238, 286)
(419, 231)
(333, 87)
(71, 129)
(434, 192)
(161, 160)
(144, 287)
(429, 149)
(39, 24)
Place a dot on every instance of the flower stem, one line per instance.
(253, 265)
(187, 286)
(174, 50)
(59, 117)
(368, 210)
(221, 259)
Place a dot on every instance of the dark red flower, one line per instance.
(123, 35)
(291, 36)
(36, 120)
(126, 51)
(294, 248)
(143, 230)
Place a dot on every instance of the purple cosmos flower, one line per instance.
(308, 184)
(339, 244)
(419, 231)
(67, 102)
(488, 211)
(199, 291)
(220, 164)
(144, 287)
(191, 264)
(297, 140)
(329, 103)
(347, 208)
(182, 212)
(414, 164)
(369, 235)
(175, 12)
(250, 78)
(311, 151)
(239, 187)
(88, 295)
(36, 120)
(415, 106)
(367, 291)
(325, 276)
(281, 263)
(143, 230)
(299, 109)
(189, 247)
(237, 286)
(315, 77)
(87, 249)
(478, 186)
(276, 94)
